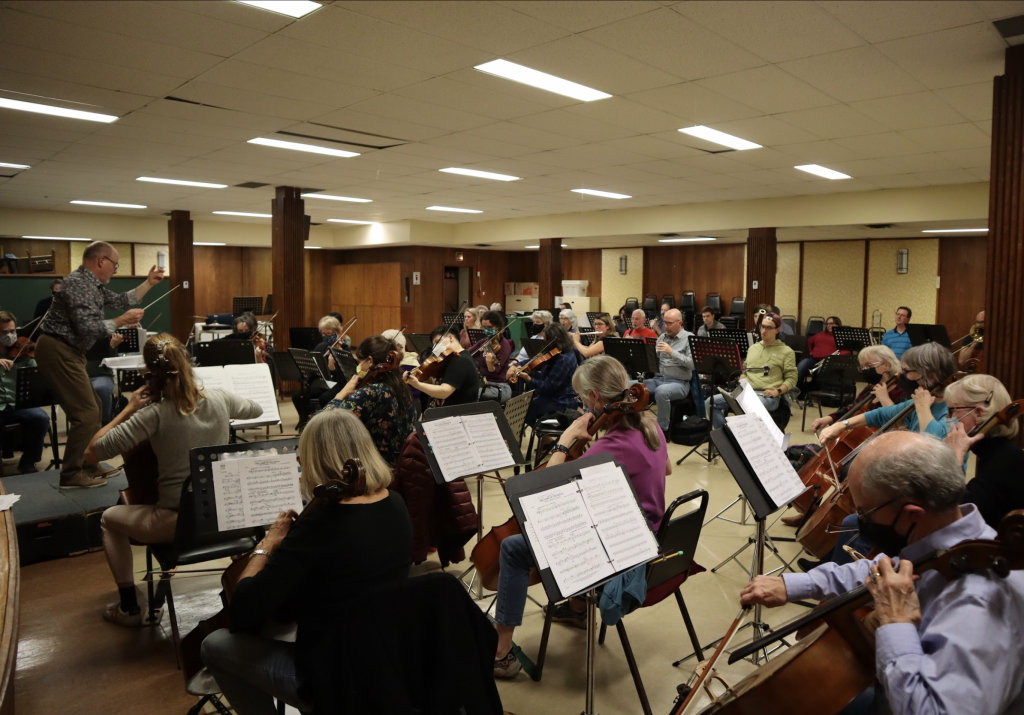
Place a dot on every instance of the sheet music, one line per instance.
(468, 444)
(127, 362)
(8, 500)
(211, 377)
(252, 491)
(620, 521)
(486, 438)
(565, 532)
(538, 550)
(255, 383)
(766, 458)
(752, 405)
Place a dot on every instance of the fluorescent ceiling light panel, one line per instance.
(348, 220)
(15, 166)
(602, 194)
(533, 246)
(480, 174)
(541, 80)
(198, 243)
(291, 8)
(686, 240)
(57, 238)
(956, 230)
(55, 111)
(337, 198)
(243, 213)
(180, 182)
(822, 171)
(455, 210)
(312, 247)
(108, 203)
(296, 146)
(717, 137)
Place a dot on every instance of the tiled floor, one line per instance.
(69, 660)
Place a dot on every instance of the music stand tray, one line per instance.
(852, 339)
(740, 337)
(451, 319)
(247, 304)
(419, 342)
(921, 333)
(473, 408)
(716, 357)
(224, 352)
(475, 335)
(637, 356)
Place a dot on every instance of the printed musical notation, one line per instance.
(467, 445)
(766, 458)
(752, 405)
(252, 491)
(253, 382)
(620, 521)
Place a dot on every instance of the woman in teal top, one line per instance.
(923, 368)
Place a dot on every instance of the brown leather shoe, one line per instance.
(793, 520)
(81, 480)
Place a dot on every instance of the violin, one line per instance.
(23, 347)
(391, 362)
(433, 366)
(536, 361)
(612, 412)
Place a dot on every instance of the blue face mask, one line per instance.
(490, 332)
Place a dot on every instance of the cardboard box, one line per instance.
(510, 289)
(528, 289)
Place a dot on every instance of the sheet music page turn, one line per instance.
(620, 521)
(752, 405)
(766, 458)
(255, 383)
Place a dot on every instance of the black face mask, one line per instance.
(908, 386)
(884, 537)
(870, 376)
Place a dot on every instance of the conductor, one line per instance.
(74, 324)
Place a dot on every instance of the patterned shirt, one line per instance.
(76, 315)
(382, 414)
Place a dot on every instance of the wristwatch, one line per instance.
(846, 424)
(561, 448)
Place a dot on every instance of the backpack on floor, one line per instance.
(690, 431)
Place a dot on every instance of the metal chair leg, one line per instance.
(149, 584)
(544, 639)
(175, 635)
(689, 625)
(633, 669)
(601, 635)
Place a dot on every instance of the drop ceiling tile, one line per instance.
(96, 99)
(955, 136)
(999, 9)
(654, 147)
(670, 42)
(483, 145)
(431, 115)
(911, 111)
(715, 163)
(880, 20)
(878, 146)
(241, 100)
(682, 186)
(765, 177)
(526, 136)
(742, 193)
(770, 131)
(465, 97)
(673, 169)
(283, 83)
(953, 176)
(981, 174)
(765, 158)
(768, 89)
(833, 122)
(854, 74)
(214, 115)
(559, 158)
(863, 168)
(774, 31)
(438, 156)
(979, 157)
(518, 167)
(916, 163)
(604, 154)
(622, 112)
(157, 123)
(965, 55)
(694, 104)
(721, 181)
(561, 121)
(580, 15)
(234, 13)
(351, 118)
(973, 101)
(629, 173)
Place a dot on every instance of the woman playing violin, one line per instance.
(604, 329)
(35, 423)
(636, 442)
(551, 382)
(459, 383)
(311, 570)
(384, 406)
(330, 330)
(174, 414)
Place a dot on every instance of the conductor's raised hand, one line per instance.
(155, 275)
(765, 590)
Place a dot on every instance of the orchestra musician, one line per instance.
(34, 422)
(820, 346)
(310, 570)
(603, 327)
(898, 339)
(174, 415)
(878, 364)
(243, 327)
(459, 383)
(74, 323)
(636, 442)
(471, 320)
(568, 320)
(539, 317)
(44, 304)
(384, 406)
(552, 381)
(330, 330)
(658, 324)
(639, 327)
(941, 646)
(709, 322)
(675, 367)
(622, 321)
(493, 363)
(102, 378)
(973, 347)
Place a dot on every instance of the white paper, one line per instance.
(254, 382)
(766, 458)
(252, 491)
(752, 405)
(126, 362)
(538, 550)
(566, 533)
(211, 378)
(620, 521)
(486, 438)
(467, 445)
(8, 500)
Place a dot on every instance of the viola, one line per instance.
(433, 366)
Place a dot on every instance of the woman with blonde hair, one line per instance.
(174, 414)
(878, 365)
(471, 320)
(311, 568)
(604, 328)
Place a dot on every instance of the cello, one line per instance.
(486, 555)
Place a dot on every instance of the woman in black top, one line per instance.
(311, 570)
(459, 383)
(997, 487)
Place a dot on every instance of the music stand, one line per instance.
(247, 304)
(852, 339)
(32, 389)
(588, 339)
(740, 337)
(129, 381)
(285, 367)
(719, 359)
(344, 361)
(533, 347)
(268, 306)
(224, 352)
(921, 333)
(637, 356)
(130, 344)
(307, 364)
(452, 320)
(419, 342)
(475, 335)
(304, 338)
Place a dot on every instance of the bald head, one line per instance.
(980, 318)
(101, 259)
(917, 467)
(97, 249)
(673, 321)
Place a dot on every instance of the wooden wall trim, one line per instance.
(800, 293)
(864, 299)
(762, 264)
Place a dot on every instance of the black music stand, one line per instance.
(475, 335)
(588, 340)
(268, 306)
(852, 339)
(740, 337)
(304, 338)
(921, 333)
(247, 304)
(473, 408)
(418, 342)
(533, 347)
(638, 356)
(310, 368)
(453, 320)
(130, 344)
(592, 316)
(720, 359)
(285, 367)
(224, 352)
(32, 389)
(129, 381)
(344, 361)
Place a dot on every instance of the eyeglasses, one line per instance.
(107, 258)
(830, 325)
(767, 327)
(671, 322)
(862, 514)
(951, 411)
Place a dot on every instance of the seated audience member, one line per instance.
(709, 323)
(997, 487)
(35, 423)
(878, 365)
(636, 442)
(772, 353)
(330, 330)
(898, 339)
(639, 329)
(551, 382)
(603, 328)
(459, 383)
(568, 320)
(101, 377)
(309, 569)
(493, 362)
(384, 405)
(675, 368)
(819, 346)
(623, 321)
(498, 307)
(471, 320)
(174, 415)
(786, 331)
(44, 305)
(949, 646)
(972, 348)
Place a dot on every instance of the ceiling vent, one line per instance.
(878, 226)
(1010, 26)
(483, 245)
(669, 235)
(251, 185)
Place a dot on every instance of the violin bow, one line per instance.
(709, 664)
(32, 334)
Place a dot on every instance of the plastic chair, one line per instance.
(632, 304)
(688, 307)
(815, 324)
(669, 299)
(790, 320)
(650, 305)
(714, 301)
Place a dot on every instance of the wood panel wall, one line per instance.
(224, 272)
(582, 265)
(700, 268)
(318, 267)
(962, 286)
(60, 249)
(370, 291)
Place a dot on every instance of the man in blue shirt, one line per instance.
(898, 339)
(941, 646)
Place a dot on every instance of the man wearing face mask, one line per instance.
(941, 646)
(34, 421)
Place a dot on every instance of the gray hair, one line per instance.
(638, 310)
(880, 353)
(97, 249)
(543, 316)
(572, 318)
(919, 467)
(987, 391)
(929, 359)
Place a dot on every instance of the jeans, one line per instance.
(803, 369)
(500, 392)
(849, 535)
(104, 389)
(252, 670)
(513, 581)
(35, 425)
(666, 389)
(721, 406)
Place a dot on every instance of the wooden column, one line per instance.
(183, 300)
(1004, 277)
(762, 259)
(287, 241)
(549, 272)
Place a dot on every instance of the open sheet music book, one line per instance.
(766, 458)
(467, 445)
(251, 381)
(752, 405)
(589, 529)
(252, 491)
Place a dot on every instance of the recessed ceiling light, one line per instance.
(541, 80)
(57, 238)
(296, 146)
(337, 198)
(198, 243)
(14, 166)
(180, 182)
(312, 247)
(564, 245)
(533, 246)
(822, 171)
(243, 213)
(604, 194)
(108, 203)
(956, 230)
(686, 240)
(348, 220)
(291, 8)
(480, 174)
(449, 208)
(55, 111)
(717, 137)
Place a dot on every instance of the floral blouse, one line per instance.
(382, 414)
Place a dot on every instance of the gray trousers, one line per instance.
(252, 671)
